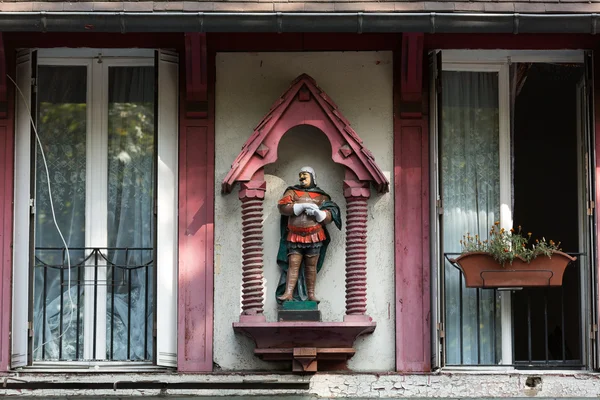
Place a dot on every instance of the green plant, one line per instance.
(505, 245)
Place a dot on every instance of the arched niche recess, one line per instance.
(304, 103)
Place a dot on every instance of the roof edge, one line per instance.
(355, 22)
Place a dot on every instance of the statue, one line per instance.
(305, 210)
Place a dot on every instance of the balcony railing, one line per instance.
(546, 323)
(547, 326)
(121, 283)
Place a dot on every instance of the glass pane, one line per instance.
(61, 124)
(471, 191)
(131, 146)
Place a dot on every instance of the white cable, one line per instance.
(37, 137)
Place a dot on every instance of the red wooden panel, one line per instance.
(411, 176)
(6, 196)
(411, 209)
(196, 238)
(195, 251)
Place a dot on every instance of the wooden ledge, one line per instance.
(304, 359)
(304, 343)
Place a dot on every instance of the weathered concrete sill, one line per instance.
(447, 384)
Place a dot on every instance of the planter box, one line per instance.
(482, 271)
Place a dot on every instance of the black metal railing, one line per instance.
(126, 276)
(546, 324)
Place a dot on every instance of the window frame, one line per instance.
(483, 61)
(98, 62)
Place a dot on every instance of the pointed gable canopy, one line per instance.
(305, 103)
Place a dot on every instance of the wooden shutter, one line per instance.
(166, 199)
(589, 139)
(437, 258)
(23, 210)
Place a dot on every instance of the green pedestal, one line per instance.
(300, 305)
(299, 311)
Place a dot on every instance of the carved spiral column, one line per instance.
(252, 195)
(356, 193)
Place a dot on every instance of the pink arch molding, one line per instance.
(305, 103)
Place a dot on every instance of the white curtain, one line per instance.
(471, 195)
(130, 303)
(62, 124)
(62, 121)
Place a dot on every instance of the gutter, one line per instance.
(356, 22)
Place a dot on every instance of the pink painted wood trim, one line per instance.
(413, 310)
(305, 103)
(304, 333)
(356, 193)
(196, 236)
(252, 195)
(411, 223)
(6, 231)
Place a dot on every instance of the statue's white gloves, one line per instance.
(299, 208)
(320, 215)
(312, 206)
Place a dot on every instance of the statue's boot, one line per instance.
(311, 276)
(294, 261)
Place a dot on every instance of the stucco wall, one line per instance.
(247, 85)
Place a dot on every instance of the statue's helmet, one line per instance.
(312, 174)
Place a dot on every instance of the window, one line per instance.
(512, 127)
(106, 178)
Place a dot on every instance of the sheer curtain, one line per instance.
(59, 331)
(62, 124)
(130, 299)
(471, 195)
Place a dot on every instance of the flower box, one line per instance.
(481, 270)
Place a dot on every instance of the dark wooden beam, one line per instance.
(196, 75)
(3, 88)
(303, 41)
(525, 41)
(411, 75)
(93, 39)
